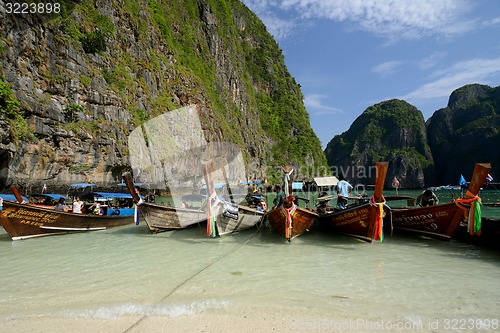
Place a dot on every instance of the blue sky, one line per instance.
(349, 55)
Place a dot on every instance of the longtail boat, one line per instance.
(363, 220)
(442, 220)
(289, 219)
(291, 222)
(169, 152)
(161, 218)
(225, 217)
(246, 218)
(21, 220)
(489, 236)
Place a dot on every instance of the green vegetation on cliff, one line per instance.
(10, 111)
(465, 132)
(97, 70)
(392, 131)
(184, 26)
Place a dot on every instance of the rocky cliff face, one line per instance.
(465, 132)
(431, 154)
(86, 77)
(391, 131)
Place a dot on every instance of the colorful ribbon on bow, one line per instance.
(474, 218)
(213, 201)
(379, 218)
(288, 223)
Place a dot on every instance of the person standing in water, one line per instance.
(343, 190)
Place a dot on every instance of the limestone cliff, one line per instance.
(392, 131)
(81, 80)
(465, 132)
(431, 154)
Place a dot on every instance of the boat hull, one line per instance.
(302, 221)
(160, 218)
(358, 221)
(490, 233)
(23, 221)
(247, 218)
(438, 221)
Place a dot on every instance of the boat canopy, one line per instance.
(11, 197)
(204, 186)
(52, 196)
(112, 195)
(82, 185)
(142, 185)
(100, 196)
(326, 181)
(252, 183)
(194, 197)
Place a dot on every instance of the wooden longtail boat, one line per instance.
(364, 220)
(246, 219)
(442, 220)
(160, 218)
(301, 220)
(169, 152)
(226, 217)
(289, 219)
(23, 221)
(490, 233)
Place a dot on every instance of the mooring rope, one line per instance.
(190, 278)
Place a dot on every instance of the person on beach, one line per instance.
(343, 190)
(427, 198)
(61, 205)
(77, 205)
(96, 209)
(280, 195)
(262, 205)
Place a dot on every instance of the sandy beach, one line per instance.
(204, 322)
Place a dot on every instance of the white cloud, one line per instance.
(280, 28)
(393, 19)
(431, 60)
(491, 22)
(386, 68)
(456, 76)
(314, 103)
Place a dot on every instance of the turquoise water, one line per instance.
(318, 282)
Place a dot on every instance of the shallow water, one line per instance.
(325, 282)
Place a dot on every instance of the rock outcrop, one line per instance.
(85, 77)
(436, 153)
(465, 132)
(392, 131)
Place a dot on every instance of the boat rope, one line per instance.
(474, 212)
(201, 270)
(379, 216)
(288, 222)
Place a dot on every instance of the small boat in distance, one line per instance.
(21, 220)
(442, 220)
(362, 220)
